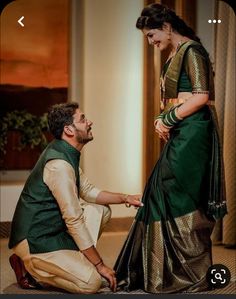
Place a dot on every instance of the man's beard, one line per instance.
(81, 139)
(84, 140)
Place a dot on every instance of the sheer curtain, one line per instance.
(225, 230)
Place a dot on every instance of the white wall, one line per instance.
(113, 70)
(11, 185)
(9, 194)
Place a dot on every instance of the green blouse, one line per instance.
(195, 74)
(184, 83)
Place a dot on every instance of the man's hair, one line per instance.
(59, 116)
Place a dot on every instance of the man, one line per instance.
(54, 233)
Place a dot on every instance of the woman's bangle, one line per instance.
(165, 126)
(160, 116)
(177, 114)
(171, 118)
(98, 263)
(126, 203)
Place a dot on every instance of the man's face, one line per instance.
(82, 127)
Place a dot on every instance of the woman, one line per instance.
(168, 248)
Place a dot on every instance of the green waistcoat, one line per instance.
(37, 217)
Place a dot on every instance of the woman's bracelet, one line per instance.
(165, 126)
(172, 118)
(160, 116)
(126, 203)
(177, 113)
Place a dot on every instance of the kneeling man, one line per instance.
(54, 233)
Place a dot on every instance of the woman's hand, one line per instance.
(133, 200)
(162, 130)
(109, 274)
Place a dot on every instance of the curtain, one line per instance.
(225, 230)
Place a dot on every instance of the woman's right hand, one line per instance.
(109, 274)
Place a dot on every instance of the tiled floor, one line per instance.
(109, 246)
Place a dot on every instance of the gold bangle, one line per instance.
(126, 203)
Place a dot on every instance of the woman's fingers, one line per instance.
(163, 136)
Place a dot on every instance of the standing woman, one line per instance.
(168, 248)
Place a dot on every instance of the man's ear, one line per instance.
(68, 130)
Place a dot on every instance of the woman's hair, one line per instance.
(154, 15)
(59, 116)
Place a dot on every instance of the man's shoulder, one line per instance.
(58, 164)
(54, 152)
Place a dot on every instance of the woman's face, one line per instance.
(158, 37)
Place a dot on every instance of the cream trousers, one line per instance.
(68, 269)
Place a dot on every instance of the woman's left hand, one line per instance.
(161, 130)
(133, 200)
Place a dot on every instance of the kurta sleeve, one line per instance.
(59, 176)
(87, 190)
(197, 68)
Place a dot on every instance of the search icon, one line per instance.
(218, 276)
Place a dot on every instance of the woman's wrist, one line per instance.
(172, 118)
(160, 116)
(177, 114)
(164, 125)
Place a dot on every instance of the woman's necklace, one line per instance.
(163, 75)
(174, 51)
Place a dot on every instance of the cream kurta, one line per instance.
(69, 269)
(59, 176)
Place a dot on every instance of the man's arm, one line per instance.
(92, 194)
(106, 197)
(93, 256)
(60, 178)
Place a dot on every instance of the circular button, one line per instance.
(218, 276)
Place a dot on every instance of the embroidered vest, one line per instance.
(37, 217)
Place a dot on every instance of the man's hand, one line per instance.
(133, 200)
(109, 274)
(106, 198)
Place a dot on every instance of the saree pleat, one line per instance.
(168, 248)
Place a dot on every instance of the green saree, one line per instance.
(168, 248)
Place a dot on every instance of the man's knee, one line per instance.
(94, 283)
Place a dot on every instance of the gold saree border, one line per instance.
(177, 254)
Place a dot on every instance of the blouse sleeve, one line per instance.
(197, 68)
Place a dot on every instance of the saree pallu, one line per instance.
(168, 248)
